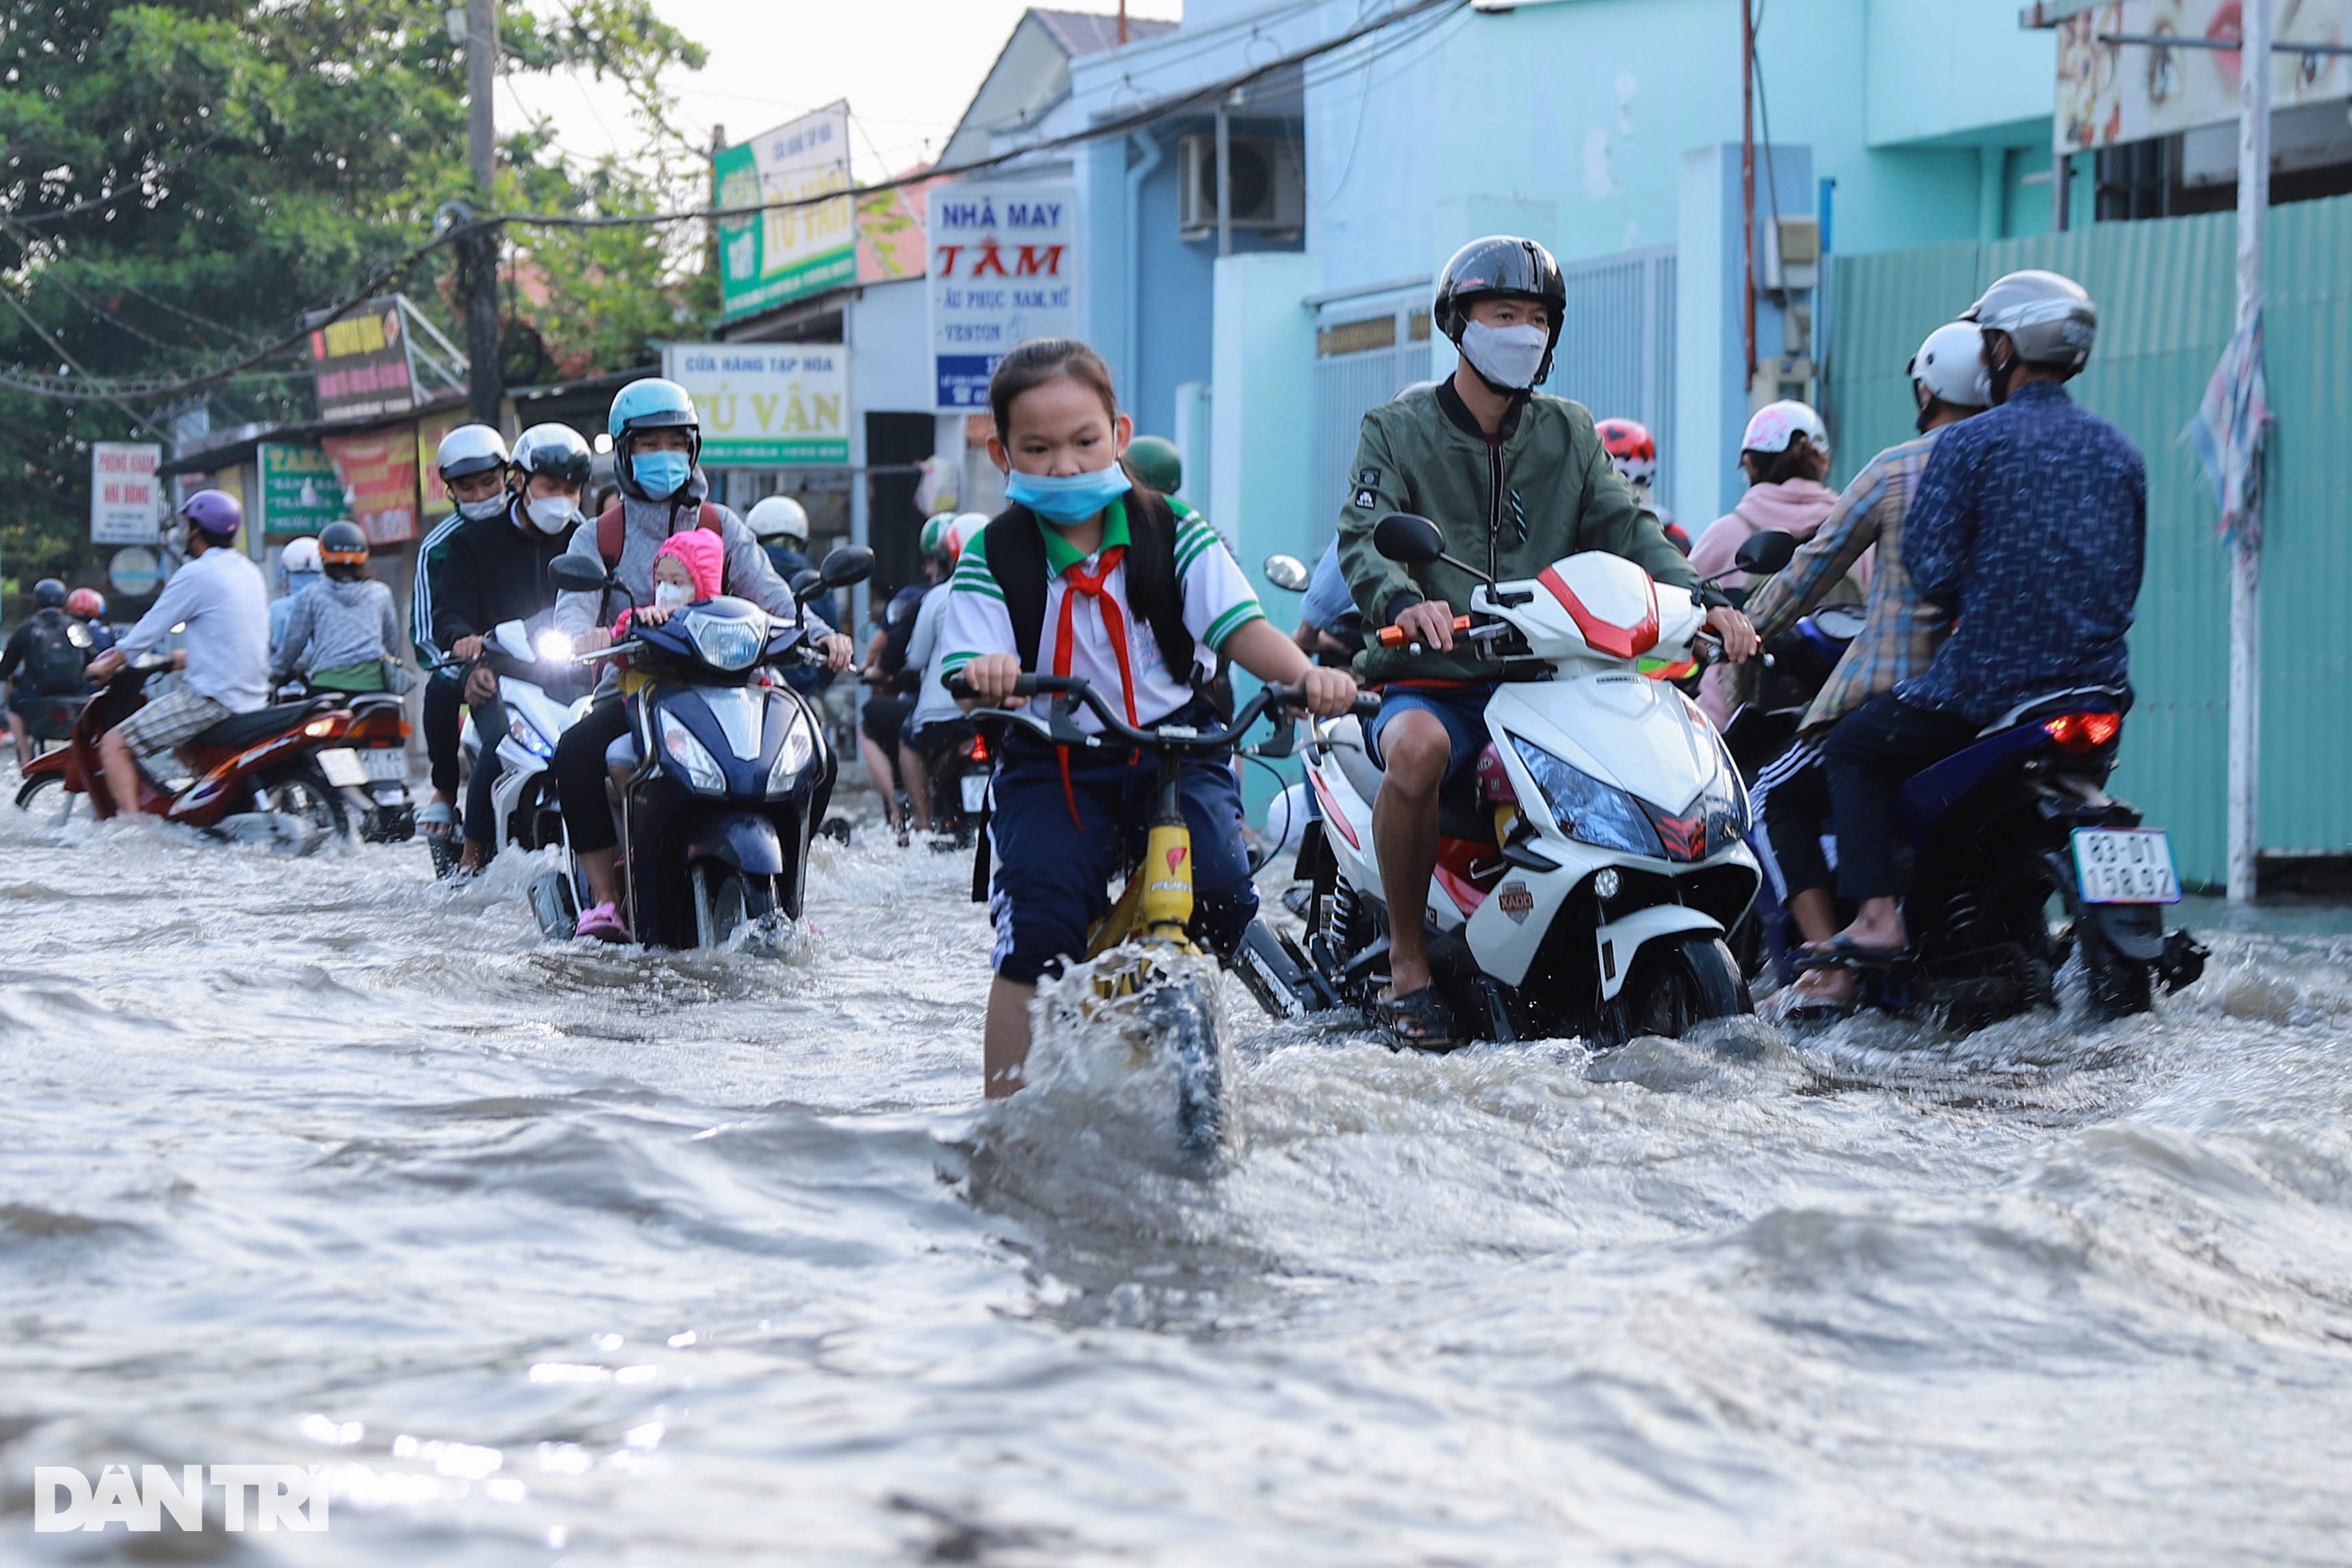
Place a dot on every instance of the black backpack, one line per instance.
(53, 666)
(1016, 559)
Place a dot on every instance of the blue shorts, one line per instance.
(1461, 709)
(1053, 874)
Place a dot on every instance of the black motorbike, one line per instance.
(735, 772)
(1998, 837)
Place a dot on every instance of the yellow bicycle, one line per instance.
(1154, 994)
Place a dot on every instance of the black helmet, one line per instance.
(557, 451)
(48, 593)
(343, 544)
(1499, 264)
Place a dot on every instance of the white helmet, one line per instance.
(1776, 423)
(469, 449)
(780, 517)
(1950, 364)
(302, 555)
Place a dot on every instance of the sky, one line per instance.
(906, 67)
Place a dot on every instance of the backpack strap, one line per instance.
(612, 525)
(1153, 588)
(1016, 559)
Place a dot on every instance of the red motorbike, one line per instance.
(294, 774)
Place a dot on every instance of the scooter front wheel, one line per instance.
(1677, 984)
(726, 900)
(30, 792)
(1183, 1017)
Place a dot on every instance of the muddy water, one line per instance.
(576, 1255)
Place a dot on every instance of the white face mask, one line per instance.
(1508, 356)
(553, 514)
(488, 506)
(670, 596)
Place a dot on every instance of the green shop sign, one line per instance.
(769, 258)
(300, 491)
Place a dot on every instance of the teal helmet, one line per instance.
(652, 403)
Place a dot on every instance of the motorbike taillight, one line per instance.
(2080, 734)
(980, 748)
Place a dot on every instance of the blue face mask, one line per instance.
(661, 475)
(1069, 500)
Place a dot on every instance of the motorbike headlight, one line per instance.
(793, 756)
(724, 643)
(527, 735)
(703, 774)
(1728, 818)
(554, 646)
(1587, 810)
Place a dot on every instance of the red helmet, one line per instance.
(84, 604)
(1629, 448)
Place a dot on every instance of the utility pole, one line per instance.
(486, 387)
(2245, 548)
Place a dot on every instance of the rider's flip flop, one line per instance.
(1420, 1019)
(1844, 953)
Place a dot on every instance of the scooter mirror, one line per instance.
(1287, 572)
(1766, 552)
(850, 564)
(1404, 536)
(578, 574)
(807, 581)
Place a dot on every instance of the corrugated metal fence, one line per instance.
(2166, 294)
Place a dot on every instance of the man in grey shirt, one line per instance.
(217, 593)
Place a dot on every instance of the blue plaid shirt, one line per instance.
(2030, 523)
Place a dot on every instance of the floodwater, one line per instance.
(556, 1255)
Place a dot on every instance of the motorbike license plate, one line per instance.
(2125, 866)
(341, 765)
(975, 791)
(387, 763)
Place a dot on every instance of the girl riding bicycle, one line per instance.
(1087, 573)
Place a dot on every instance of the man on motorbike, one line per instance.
(656, 438)
(1900, 634)
(1516, 480)
(2030, 527)
(472, 460)
(494, 571)
(218, 600)
(781, 524)
(41, 664)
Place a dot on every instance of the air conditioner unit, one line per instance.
(1269, 192)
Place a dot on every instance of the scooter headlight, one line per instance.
(1587, 810)
(527, 735)
(1729, 817)
(725, 643)
(703, 774)
(793, 757)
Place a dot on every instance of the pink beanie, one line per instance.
(704, 555)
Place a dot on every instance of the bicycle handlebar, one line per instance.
(1178, 738)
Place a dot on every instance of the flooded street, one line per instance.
(570, 1255)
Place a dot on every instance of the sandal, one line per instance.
(1420, 1019)
(1844, 953)
(603, 922)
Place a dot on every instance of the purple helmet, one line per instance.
(214, 513)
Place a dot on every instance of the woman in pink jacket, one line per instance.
(1786, 456)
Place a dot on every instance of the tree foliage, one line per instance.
(180, 182)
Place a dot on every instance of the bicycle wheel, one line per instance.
(1184, 1024)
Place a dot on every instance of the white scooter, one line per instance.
(1586, 879)
(542, 694)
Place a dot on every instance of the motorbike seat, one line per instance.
(246, 728)
(2049, 705)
